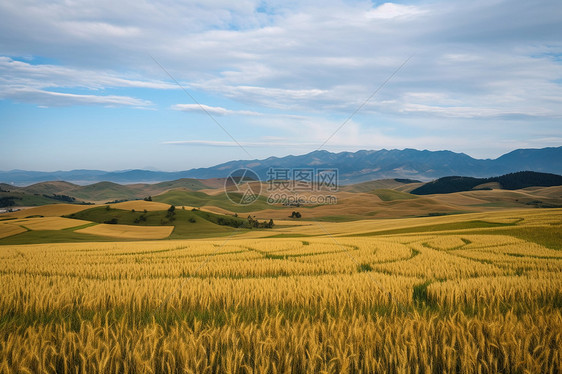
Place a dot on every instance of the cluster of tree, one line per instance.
(170, 215)
(117, 201)
(64, 198)
(406, 181)
(225, 221)
(523, 179)
(7, 201)
(254, 223)
(295, 215)
(149, 198)
(141, 218)
(112, 221)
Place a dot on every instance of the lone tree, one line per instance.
(295, 215)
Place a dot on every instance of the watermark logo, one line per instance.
(285, 186)
(301, 186)
(243, 186)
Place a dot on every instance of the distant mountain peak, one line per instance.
(353, 167)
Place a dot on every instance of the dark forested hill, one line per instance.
(512, 181)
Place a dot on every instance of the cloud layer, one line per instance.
(483, 73)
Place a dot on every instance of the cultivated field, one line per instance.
(54, 210)
(7, 229)
(140, 205)
(467, 294)
(129, 231)
(47, 223)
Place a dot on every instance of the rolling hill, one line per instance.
(44, 192)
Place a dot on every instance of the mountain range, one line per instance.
(353, 167)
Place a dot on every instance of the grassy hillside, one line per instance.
(17, 198)
(187, 223)
(191, 184)
(50, 188)
(391, 195)
(104, 191)
(5, 187)
(51, 210)
(378, 184)
(105, 224)
(199, 199)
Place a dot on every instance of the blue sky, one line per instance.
(80, 88)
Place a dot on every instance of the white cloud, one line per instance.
(25, 82)
(214, 143)
(90, 30)
(21, 73)
(475, 112)
(53, 99)
(391, 11)
(480, 60)
(212, 110)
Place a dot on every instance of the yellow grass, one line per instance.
(129, 231)
(140, 205)
(49, 223)
(54, 210)
(7, 229)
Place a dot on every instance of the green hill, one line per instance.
(199, 199)
(16, 198)
(187, 223)
(50, 188)
(104, 191)
(512, 181)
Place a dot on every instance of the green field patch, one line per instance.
(74, 228)
(420, 292)
(364, 267)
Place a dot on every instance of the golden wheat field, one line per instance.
(439, 299)
(129, 231)
(47, 223)
(53, 210)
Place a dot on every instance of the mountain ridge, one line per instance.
(353, 167)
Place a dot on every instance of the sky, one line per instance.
(168, 85)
